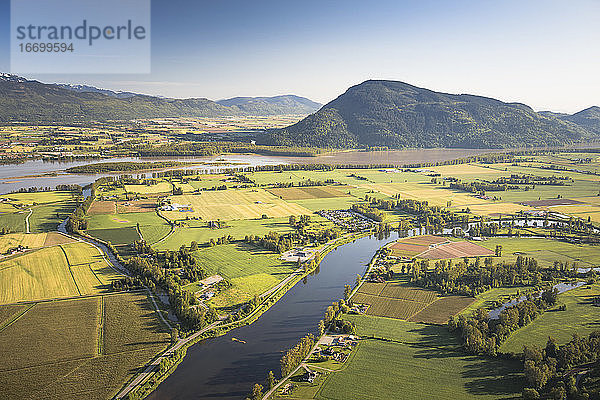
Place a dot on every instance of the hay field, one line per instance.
(234, 204)
(494, 209)
(46, 273)
(160, 187)
(309, 192)
(32, 240)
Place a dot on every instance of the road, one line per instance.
(27, 221)
(149, 371)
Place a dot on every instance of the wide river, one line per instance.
(39, 173)
(221, 368)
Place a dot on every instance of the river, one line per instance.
(221, 368)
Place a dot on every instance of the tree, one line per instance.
(271, 380)
(257, 393)
(347, 291)
(174, 335)
(321, 327)
(292, 220)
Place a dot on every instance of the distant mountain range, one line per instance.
(392, 114)
(32, 101)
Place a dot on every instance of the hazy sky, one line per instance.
(542, 53)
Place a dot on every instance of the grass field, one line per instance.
(238, 229)
(33, 198)
(47, 217)
(54, 350)
(581, 317)
(117, 236)
(250, 270)
(234, 204)
(152, 227)
(488, 298)
(420, 353)
(13, 221)
(46, 273)
(546, 251)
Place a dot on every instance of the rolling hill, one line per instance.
(31, 101)
(393, 114)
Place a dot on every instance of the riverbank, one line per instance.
(151, 381)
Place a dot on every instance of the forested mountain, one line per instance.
(276, 105)
(33, 101)
(396, 115)
(588, 118)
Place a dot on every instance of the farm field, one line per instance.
(437, 248)
(32, 240)
(251, 270)
(545, 251)
(581, 317)
(55, 351)
(440, 311)
(160, 187)
(152, 227)
(309, 192)
(47, 217)
(393, 299)
(337, 203)
(117, 236)
(238, 229)
(449, 374)
(233, 204)
(402, 301)
(46, 273)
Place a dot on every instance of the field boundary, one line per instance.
(15, 317)
(70, 270)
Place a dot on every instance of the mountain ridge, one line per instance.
(394, 114)
(32, 101)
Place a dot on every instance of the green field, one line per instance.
(47, 217)
(546, 251)
(421, 372)
(238, 229)
(488, 298)
(13, 221)
(152, 227)
(581, 317)
(69, 349)
(46, 273)
(251, 270)
(116, 236)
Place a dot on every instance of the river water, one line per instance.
(221, 368)
(40, 173)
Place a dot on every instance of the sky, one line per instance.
(541, 53)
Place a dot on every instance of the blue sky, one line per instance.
(542, 53)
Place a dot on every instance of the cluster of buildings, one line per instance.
(347, 219)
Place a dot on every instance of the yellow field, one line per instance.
(46, 273)
(234, 204)
(161, 187)
(594, 200)
(30, 240)
(436, 196)
(583, 211)
(38, 197)
(497, 208)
